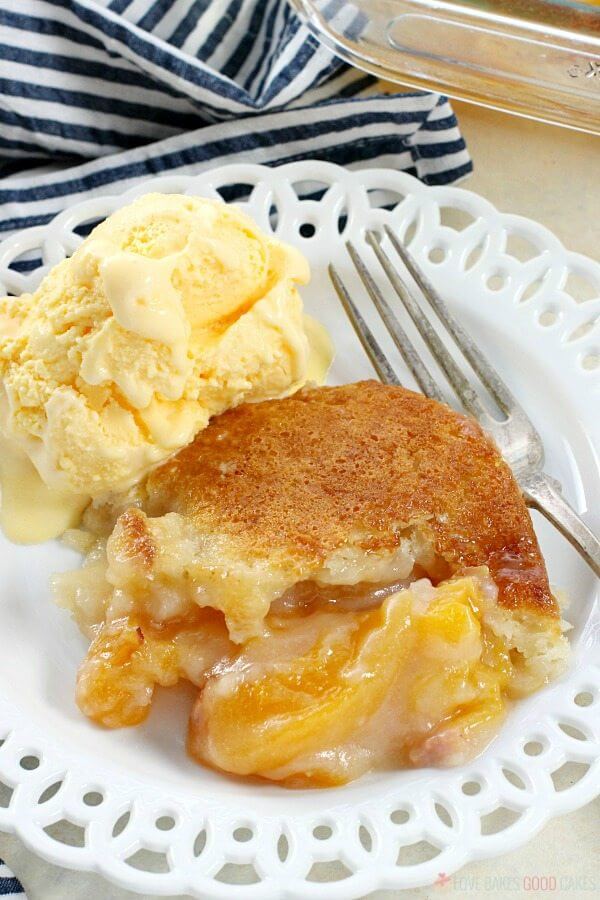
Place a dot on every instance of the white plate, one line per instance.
(382, 829)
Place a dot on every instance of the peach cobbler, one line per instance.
(349, 576)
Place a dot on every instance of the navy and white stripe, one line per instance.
(9, 885)
(96, 94)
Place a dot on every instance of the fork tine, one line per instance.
(461, 385)
(363, 332)
(397, 332)
(497, 388)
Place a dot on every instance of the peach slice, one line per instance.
(255, 721)
(127, 658)
(404, 683)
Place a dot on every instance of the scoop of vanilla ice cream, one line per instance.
(174, 309)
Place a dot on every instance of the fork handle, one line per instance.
(541, 494)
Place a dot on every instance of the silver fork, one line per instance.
(515, 436)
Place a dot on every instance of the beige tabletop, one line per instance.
(551, 175)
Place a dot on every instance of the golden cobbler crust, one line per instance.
(308, 474)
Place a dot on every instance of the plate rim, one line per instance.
(56, 237)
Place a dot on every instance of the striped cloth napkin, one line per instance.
(9, 886)
(98, 94)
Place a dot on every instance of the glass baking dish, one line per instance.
(535, 58)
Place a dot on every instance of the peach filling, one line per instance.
(417, 681)
(329, 691)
